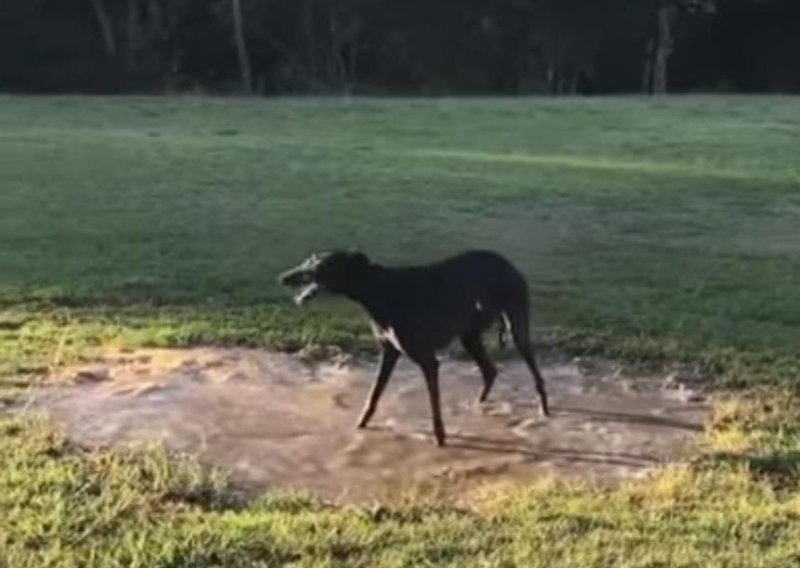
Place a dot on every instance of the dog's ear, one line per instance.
(359, 258)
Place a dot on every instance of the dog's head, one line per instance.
(335, 272)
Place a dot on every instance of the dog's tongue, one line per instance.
(306, 294)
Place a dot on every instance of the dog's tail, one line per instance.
(502, 332)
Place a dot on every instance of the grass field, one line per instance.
(649, 229)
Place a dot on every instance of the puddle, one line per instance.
(274, 421)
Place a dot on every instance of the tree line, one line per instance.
(408, 47)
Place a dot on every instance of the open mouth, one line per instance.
(306, 293)
(303, 282)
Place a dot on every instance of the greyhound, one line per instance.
(419, 310)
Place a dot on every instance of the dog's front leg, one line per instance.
(430, 368)
(388, 362)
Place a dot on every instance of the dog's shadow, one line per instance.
(550, 453)
(634, 419)
(514, 447)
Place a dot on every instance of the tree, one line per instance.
(415, 46)
(659, 48)
(106, 27)
(661, 44)
(242, 53)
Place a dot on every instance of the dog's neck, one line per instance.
(366, 290)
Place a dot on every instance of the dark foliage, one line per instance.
(416, 46)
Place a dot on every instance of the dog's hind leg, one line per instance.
(521, 336)
(474, 346)
(502, 331)
(388, 362)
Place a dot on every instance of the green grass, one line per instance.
(655, 229)
(137, 508)
(672, 220)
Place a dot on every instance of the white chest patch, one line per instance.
(479, 306)
(388, 334)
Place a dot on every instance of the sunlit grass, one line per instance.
(682, 170)
(139, 507)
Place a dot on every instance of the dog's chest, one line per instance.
(386, 334)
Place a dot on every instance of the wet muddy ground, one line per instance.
(272, 420)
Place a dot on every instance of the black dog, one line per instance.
(420, 310)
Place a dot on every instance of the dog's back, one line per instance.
(460, 295)
(484, 274)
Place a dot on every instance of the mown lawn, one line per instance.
(667, 225)
(649, 229)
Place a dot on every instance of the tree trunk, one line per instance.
(647, 67)
(338, 71)
(242, 54)
(660, 49)
(134, 36)
(106, 27)
(310, 34)
(573, 81)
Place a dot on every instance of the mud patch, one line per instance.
(275, 421)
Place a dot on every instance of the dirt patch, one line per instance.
(275, 421)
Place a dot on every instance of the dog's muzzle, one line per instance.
(300, 278)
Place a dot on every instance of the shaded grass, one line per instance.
(674, 219)
(648, 228)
